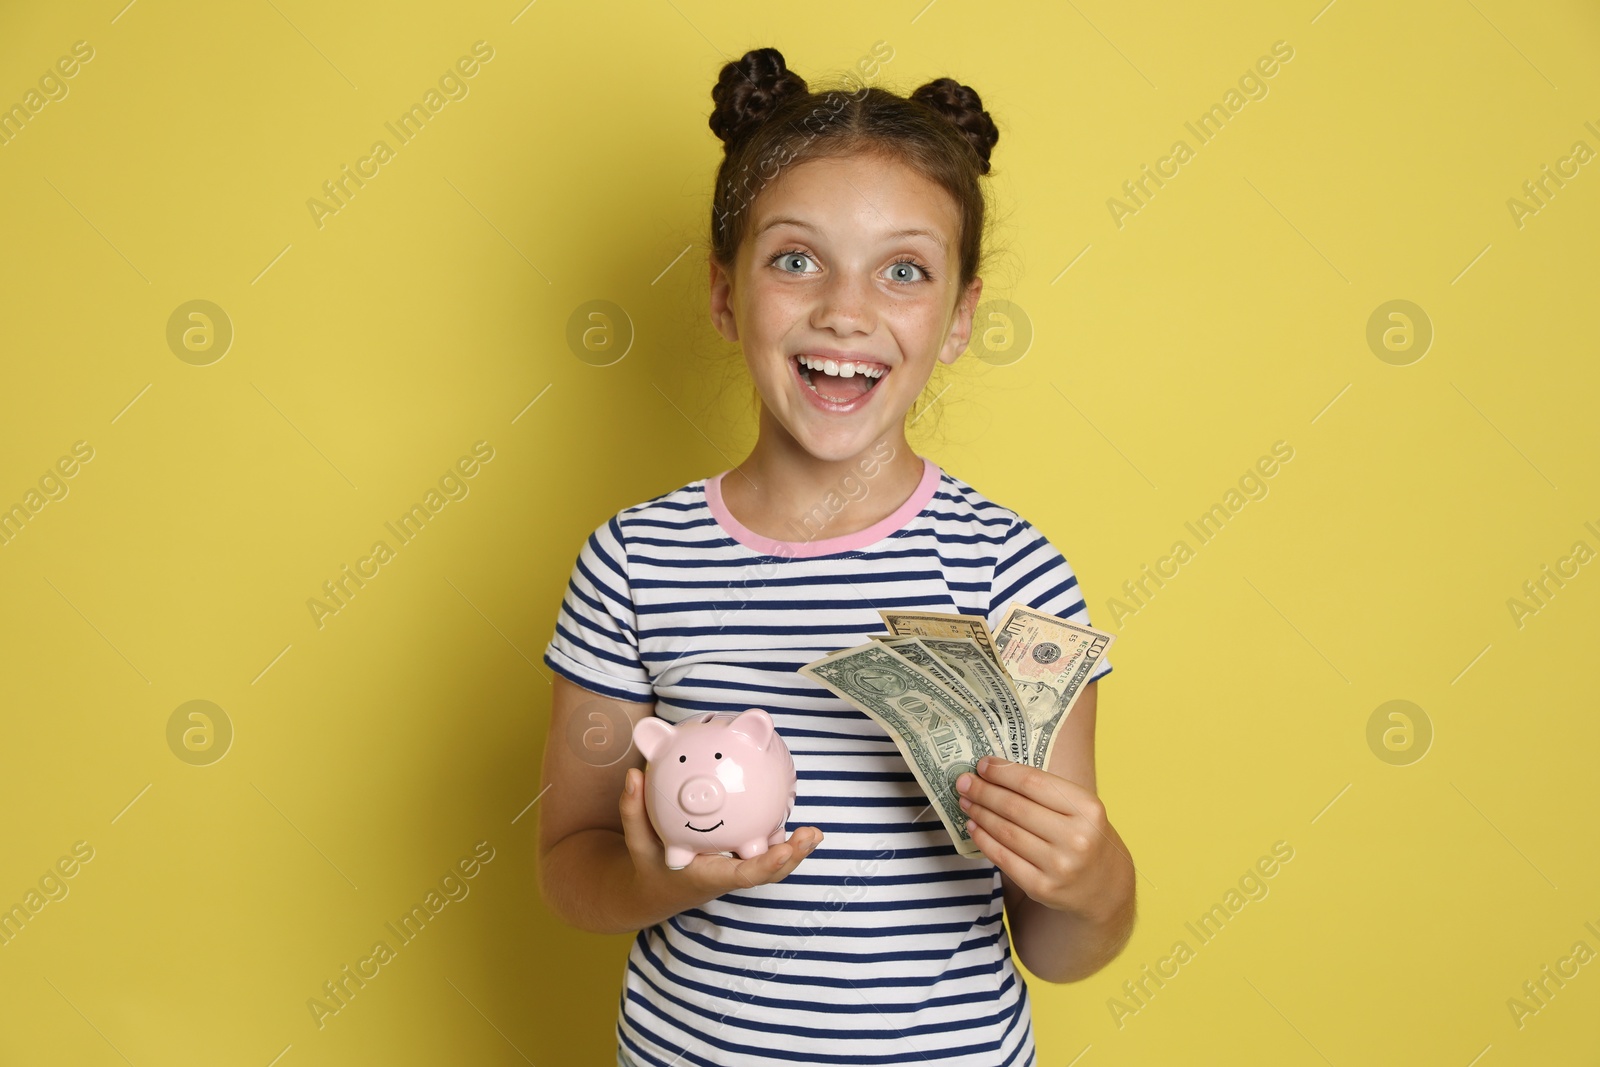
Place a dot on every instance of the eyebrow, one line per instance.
(784, 220)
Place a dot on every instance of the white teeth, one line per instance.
(842, 369)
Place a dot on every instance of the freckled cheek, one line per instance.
(784, 315)
(775, 314)
(915, 329)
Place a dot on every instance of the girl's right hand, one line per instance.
(708, 875)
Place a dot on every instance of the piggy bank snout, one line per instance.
(700, 796)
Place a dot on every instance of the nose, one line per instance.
(844, 306)
(700, 796)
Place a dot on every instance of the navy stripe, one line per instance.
(813, 955)
(589, 683)
(964, 904)
(901, 931)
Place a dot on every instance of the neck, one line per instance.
(786, 493)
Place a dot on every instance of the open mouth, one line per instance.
(838, 383)
(707, 830)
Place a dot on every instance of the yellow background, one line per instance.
(368, 354)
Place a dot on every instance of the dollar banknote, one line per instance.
(914, 650)
(984, 674)
(939, 737)
(1049, 660)
(940, 624)
(986, 678)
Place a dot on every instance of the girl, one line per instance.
(846, 239)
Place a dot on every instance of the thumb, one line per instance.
(631, 802)
(637, 829)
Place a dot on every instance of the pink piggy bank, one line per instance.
(716, 782)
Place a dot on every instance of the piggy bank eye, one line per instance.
(682, 759)
(719, 755)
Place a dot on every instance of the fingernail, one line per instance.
(630, 783)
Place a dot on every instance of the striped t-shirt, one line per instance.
(884, 946)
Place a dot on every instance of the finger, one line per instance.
(1019, 808)
(734, 873)
(801, 849)
(1025, 875)
(1051, 790)
(631, 800)
(779, 860)
(720, 873)
(799, 844)
(773, 864)
(1037, 851)
(714, 874)
(806, 837)
(637, 831)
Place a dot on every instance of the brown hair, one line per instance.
(768, 118)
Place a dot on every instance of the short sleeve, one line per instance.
(1030, 571)
(596, 642)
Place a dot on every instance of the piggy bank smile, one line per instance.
(707, 830)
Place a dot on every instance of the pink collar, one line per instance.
(824, 546)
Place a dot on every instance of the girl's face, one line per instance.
(850, 259)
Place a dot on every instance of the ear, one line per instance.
(961, 322)
(722, 317)
(652, 735)
(756, 725)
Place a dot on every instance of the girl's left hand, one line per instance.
(1049, 835)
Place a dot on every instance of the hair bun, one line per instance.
(748, 90)
(962, 106)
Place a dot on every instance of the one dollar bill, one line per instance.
(939, 737)
(914, 650)
(997, 700)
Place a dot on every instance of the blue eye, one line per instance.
(914, 265)
(791, 253)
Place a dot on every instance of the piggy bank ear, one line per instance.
(754, 724)
(652, 735)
